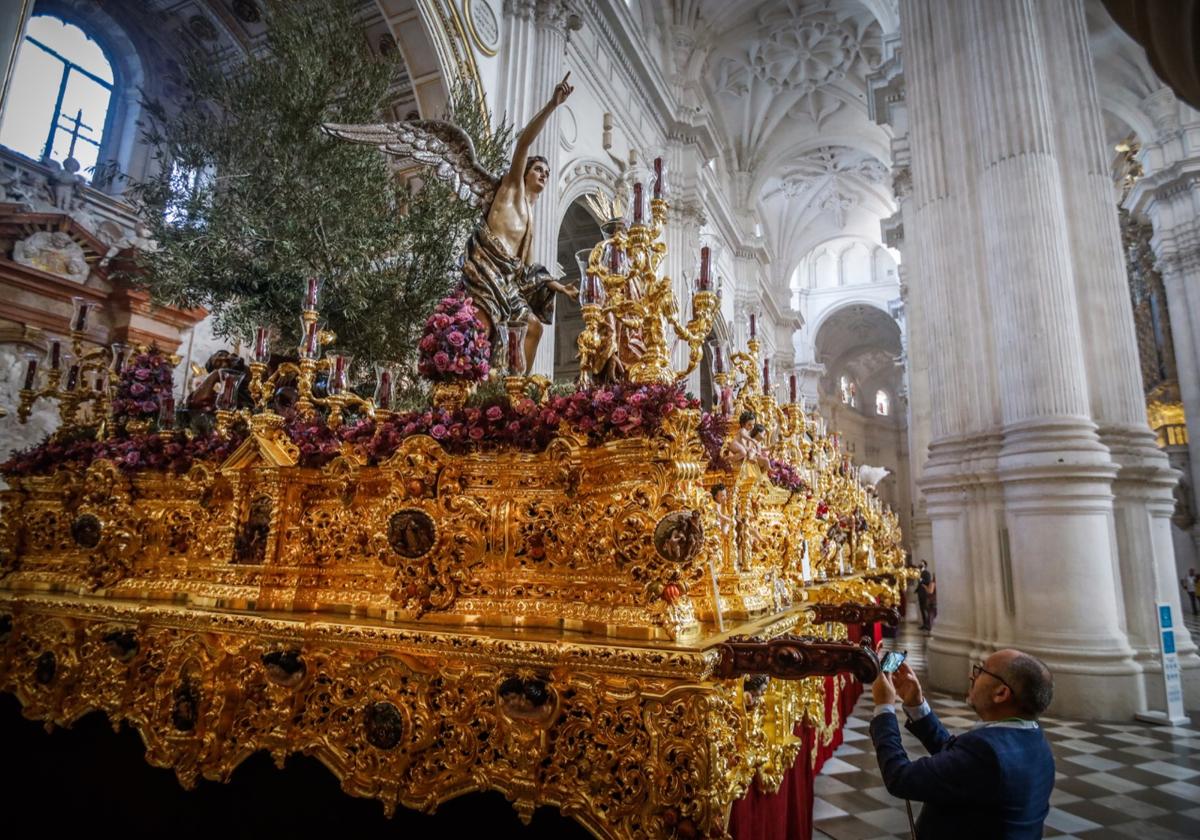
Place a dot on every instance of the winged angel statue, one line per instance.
(505, 286)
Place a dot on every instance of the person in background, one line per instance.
(924, 584)
(1189, 586)
(993, 781)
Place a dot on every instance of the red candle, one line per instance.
(639, 211)
(262, 344)
(31, 366)
(312, 293)
(312, 340)
(55, 355)
(767, 375)
(383, 393)
(705, 283)
(791, 387)
(753, 332)
(80, 317)
(659, 183)
(166, 413)
(718, 352)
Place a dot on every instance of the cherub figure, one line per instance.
(504, 285)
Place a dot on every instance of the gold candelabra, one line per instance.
(628, 305)
(76, 378)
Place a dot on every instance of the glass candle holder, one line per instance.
(120, 355)
(615, 259)
(704, 278)
(166, 413)
(262, 344)
(339, 373)
(81, 309)
(660, 178)
(310, 339)
(31, 370)
(385, 386)
(720, 364)
(230, 380)
(591, 291)
(515, 362)
(312, 293)
(72, 380)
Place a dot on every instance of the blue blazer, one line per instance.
(994, 781)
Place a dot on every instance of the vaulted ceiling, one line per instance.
(786, 83)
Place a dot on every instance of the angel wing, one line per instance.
(443, 146)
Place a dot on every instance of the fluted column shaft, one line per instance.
(1045, 537)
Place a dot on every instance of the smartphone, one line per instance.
(892, 661)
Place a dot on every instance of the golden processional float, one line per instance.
(541, 596)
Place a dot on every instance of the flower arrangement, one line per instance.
(714, 427)
(782, 474)
(602, 414)
(454, 345)
(168, 453)
(141, 385)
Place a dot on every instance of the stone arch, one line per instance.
(433, 57)
(581, 176)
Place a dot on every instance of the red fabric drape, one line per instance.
(788, 813)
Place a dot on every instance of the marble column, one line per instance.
(534, 62)
(1047, 504)
(1144, 487)
(1169, 196)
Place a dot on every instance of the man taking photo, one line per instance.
(992, 781)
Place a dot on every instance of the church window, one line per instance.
(848, 391)
(62, 86)
(883, 403)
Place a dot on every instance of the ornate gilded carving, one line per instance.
(795, 657)
(856, 613)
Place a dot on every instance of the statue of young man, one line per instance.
(504, 285)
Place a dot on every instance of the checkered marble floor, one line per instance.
(1113, 779)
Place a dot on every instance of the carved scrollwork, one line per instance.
(795, 657)
(856, 613)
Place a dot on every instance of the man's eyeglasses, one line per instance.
(976, 670)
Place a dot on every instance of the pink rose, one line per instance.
(428, 343)
(494, 413)
(456, 338)
(464, 316)
(441, 360)
(148, 406)
(137, 389)
(619, 415)
(440, 321)
(476, 433)
(438, 431)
